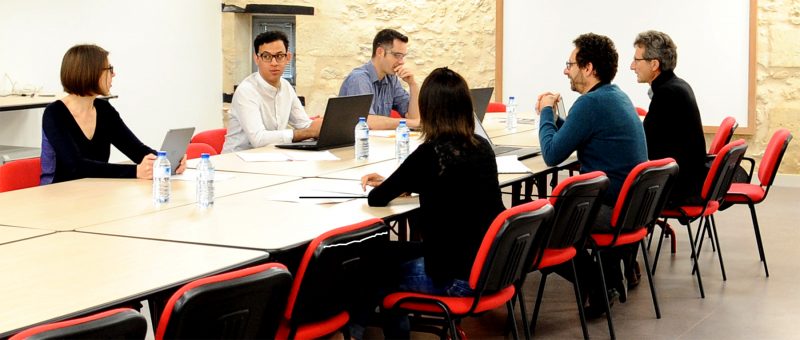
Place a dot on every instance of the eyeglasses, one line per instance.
(109, 68)
(569, 64)
(640, 59)
(267, 57)
(398, 55)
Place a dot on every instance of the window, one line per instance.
(285, 24)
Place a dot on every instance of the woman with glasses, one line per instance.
(79, 129)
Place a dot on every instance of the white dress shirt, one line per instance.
(261, 114)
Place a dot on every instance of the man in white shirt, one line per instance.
(265, 105)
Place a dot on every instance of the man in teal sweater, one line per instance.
(604, 129)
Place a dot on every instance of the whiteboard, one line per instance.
(713, 39)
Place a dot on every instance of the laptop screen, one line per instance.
(480, 100)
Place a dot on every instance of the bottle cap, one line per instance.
(204, 155)
(162, 154)
(362, 119)
(402, 122)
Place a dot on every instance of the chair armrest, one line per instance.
(752, 167)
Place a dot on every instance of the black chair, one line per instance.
(121, 323)
(242, 304)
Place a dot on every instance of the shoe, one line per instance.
(596, 310)
(634, 275)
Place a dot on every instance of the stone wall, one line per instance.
(461, 34)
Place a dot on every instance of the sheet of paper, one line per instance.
(262, 156)
(191, 175)
(510, 165)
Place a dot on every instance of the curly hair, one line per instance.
(598, 50)
(658, 46)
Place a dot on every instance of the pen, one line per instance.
(317, 197)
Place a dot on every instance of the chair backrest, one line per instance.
(333, 266)
(243, 304)
(576, 201)
(644, 194)
(773, 156)
(723, 135)
(496, 107)
(194, 150)
(640, 111)
(502, 257)
(719, 177)
(214, 137)
(20, 174)
(121, 323)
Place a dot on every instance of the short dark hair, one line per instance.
(268, 37)
(445, 107)
(658, 46)
(598, 50)
(386, 37)
(81, 69)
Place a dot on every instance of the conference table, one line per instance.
(68, 274)
(13, 234)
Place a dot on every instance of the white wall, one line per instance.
(166, 53)
(712, 38)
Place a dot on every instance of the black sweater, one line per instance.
(674, 129)
(67, 154)
(459, 198)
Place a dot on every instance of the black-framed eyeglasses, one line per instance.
(110, 68)
(569, 64)
(640, 59)
(268, 57)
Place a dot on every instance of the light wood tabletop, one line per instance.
(66, 274)
(73, 204)
(11, 234)
(257, 219)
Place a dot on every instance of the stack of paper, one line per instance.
(511, 165)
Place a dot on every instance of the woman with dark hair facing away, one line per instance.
(455, 174)
(79, 129)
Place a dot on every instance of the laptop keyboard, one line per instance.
(504, 149)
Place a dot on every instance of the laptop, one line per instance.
(341, 117)
(480, 100)
(500, 150)
(175, 143)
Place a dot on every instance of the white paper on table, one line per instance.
(510, 165)
(191, 175)
(262, 156)
(310, 156)
(381, 133)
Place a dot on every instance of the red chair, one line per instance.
(395, 114)
(121, 323)
(330, 273)
(499, 265)
(752, 194)
(641, 112)
(194, 150)
(723, 135)
(576, 202)
(243, 304)
(20, 174)
(640, 200)
(214, 137)
(716, 185)
(496, 107)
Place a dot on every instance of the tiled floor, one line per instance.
(746, 306)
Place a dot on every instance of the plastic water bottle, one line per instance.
(205, 182)
(401, 137)
(161, 173)
(362, 139)
(511, 114)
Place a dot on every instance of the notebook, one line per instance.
(175, 143)
(341, 117)
(500, 150)
(480, 100)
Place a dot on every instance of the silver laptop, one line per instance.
(501, 150)
(175, 143)
(341, 117)
(480, 100)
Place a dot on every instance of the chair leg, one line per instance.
(696, 267)
(581, 314)
(605, 295)
(758, 236)
(719, 249)
(699, 237)
(646, 259)
(710, 236)
(525, 327)
(538, 304)
(658, 248)
(513, 318)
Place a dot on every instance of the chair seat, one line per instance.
(745, 193)
(457, 305)
(604, 240)
(691, 211)
(317, 329)
(554, 257)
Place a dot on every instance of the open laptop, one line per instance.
(480, 100)
(175, 143)
(341, 117)
(500, 150)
